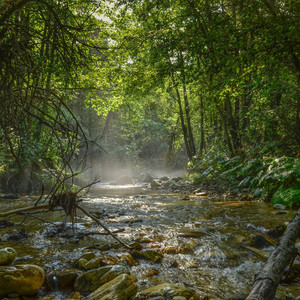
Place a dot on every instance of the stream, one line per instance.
(203, 239)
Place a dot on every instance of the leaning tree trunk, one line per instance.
(267, 280)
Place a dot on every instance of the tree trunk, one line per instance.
(232, 125)
(224, 119)
(183, 126)
(267, 280)
(202, 139)
(187, 108)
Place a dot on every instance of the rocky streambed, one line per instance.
(183, 246)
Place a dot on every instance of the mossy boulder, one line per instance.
(7, 256)
(123, 287)
(91, 280)
(25, 280)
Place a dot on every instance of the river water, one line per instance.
(202, 238)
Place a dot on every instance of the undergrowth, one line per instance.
(270, 178)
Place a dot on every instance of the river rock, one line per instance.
(123, 287)
(155, 184)
(62, 280)
(91, 280)
(21, 279)
(279, 206)
(259, 241)
(152, 255)
(166, 290)
(5, 224)
(18, 235)
(7, 256)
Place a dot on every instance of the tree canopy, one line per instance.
(210, 75)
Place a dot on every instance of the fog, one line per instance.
(109, 170)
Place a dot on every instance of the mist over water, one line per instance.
(109, 170)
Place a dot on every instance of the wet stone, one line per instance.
(18, 235)
(123, 287)
(5, 224)
(155, 184)
(63, 280)
(21, 279)
(151, 255)
(98, 262)
(166, 290)
(128, 259)
(259, 241)
(7, 256)
(94, 263)
(91, 280)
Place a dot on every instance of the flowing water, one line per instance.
(200, 237)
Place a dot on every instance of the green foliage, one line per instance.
(264, 176)
(289, 197)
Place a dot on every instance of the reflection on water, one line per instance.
(200, 238)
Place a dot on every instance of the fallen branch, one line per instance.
(23, 209)
(103, 226)
(267, 280)
(69, 202)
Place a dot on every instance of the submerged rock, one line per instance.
(123, 287)
(21, 279)
(91, 280)
(167, 291)
(62, 280)
(259, 241)
(7, 256)
(5, 224)
(18, 235)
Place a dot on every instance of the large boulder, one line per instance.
(91, 280)
(7, 256)
(21, 279)
(166, 290)
(123, 287)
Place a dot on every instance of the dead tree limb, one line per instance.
(103, 226)
(23, 209)
(267, 280)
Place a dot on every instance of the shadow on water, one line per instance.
(201, 238)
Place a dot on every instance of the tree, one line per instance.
(45, 46)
